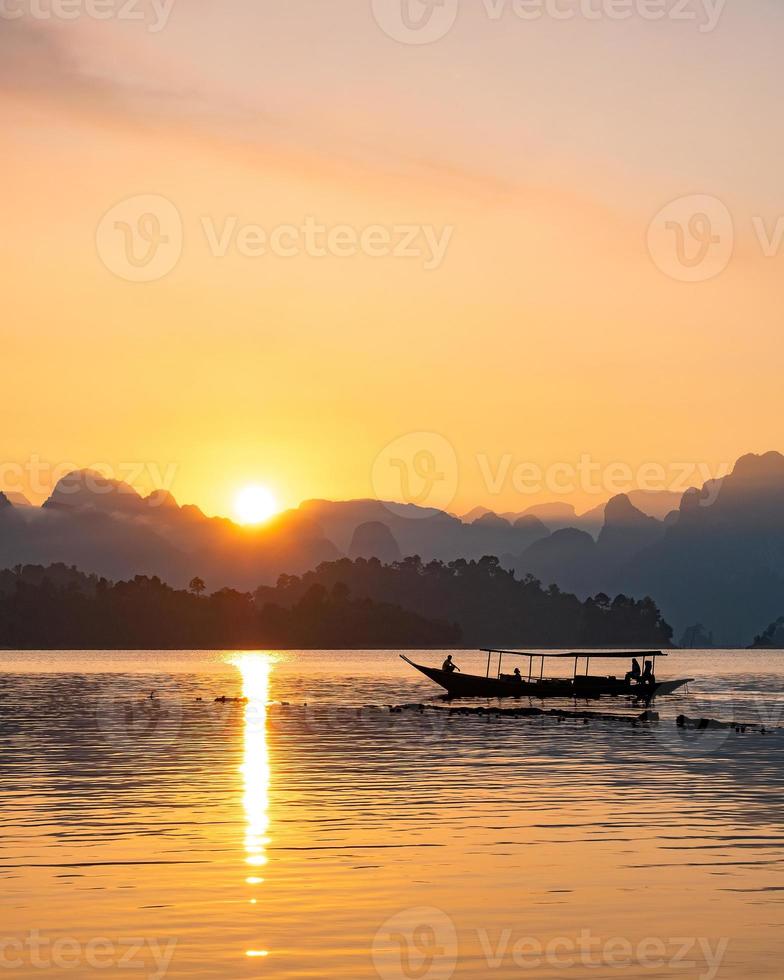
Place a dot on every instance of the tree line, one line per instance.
(84, 612)
(491, 606)
(771, 638)
(342, 604)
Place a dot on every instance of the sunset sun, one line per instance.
(254, 505)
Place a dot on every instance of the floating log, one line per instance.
(530, 712)
(708, 724)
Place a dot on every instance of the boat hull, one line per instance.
(459, 685)
(596, 687)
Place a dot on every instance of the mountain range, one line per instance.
(714, 555)
(718, 560)
(557, 516)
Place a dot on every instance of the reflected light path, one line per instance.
(256, 669)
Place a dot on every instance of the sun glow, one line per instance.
(255, 504)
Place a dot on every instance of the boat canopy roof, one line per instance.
(591, 654)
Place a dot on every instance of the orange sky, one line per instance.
(538, 154)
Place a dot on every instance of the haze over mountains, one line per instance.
(105, 527)
(716, 558)
(654, 503)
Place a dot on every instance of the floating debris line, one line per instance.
(645, 718)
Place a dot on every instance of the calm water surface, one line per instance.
(312, 833)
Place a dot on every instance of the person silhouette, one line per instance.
(449, 666)
(647, 674)
(635, 672)
(518, 676)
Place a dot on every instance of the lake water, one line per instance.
(312, 833)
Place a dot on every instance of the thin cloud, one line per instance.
(103, 69)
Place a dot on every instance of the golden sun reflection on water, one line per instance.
(256, 669)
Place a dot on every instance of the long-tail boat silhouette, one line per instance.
(496, 684)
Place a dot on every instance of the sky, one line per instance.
(535, 258)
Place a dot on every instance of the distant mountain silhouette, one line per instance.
(374, 540)
(573, 560)
(492, 520)
(718, 559)
(422, 531)
(106, 527)
(532, 524)
(554, 515)
(557, 516)
(655, 503)
(475, 514)
(17, 499)
(722, 560)
(772, 638)
(697, 638)
(566, 558)
(626, 530)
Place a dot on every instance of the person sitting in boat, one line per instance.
(647, 674)
(449, 666)
(635, 673)
(518, 677)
